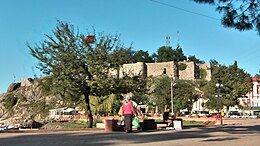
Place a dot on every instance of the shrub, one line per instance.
(182, 66)
(10, 101)
(203, 73)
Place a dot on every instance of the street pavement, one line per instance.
(235, 132)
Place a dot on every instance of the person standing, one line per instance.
(128, 112)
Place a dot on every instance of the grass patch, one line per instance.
(72, 124)
(192, 123)
(186, 123)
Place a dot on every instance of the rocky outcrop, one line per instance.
(26, 82)
(31, 101)
(13, 87)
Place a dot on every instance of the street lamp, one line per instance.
(220, 101)
(172, 84)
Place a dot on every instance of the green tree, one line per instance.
(179, 55)
(236, 83)
(62, 57)
(258, 75)
(213, 64)
(184, 94)
(76, 67)
(195, 60)
(142, 56)
(241, 15)
(154, 57)
(121, 55)
(165, 54)
(161, 94)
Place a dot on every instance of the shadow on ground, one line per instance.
(114, 138)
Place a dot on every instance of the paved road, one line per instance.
(242, 133)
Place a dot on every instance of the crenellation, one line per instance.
(170, 68)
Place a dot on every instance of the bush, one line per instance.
(203, 73)
(182, 66)
(10, 101)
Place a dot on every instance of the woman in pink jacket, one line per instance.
(128, 111)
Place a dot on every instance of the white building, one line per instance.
(252, 98)
(251, 101)
(61, 113)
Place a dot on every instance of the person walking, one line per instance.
(128, 112)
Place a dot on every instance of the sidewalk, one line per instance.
(247, 133)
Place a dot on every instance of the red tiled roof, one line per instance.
(255, 79)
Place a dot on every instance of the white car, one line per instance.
(235, 116)
(253, 116)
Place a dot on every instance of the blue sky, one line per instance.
(144, 23)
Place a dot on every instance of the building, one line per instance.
(62, 114)
(252, 99)
(184, 70)
(188, 71)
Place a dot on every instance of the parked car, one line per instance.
(203, 113)
(253, 116)
(200, 113)
(235, 114)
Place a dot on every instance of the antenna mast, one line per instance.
(14, 78)
(167, 41)
(178, 33)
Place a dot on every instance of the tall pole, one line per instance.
(172, 84)
(167, 41)
(219, 85)
(172, 96)
(220, 102)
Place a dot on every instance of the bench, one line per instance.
(157, 123)
(165, 124)
(177, 123)
(147, 124)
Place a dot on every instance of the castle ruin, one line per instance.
(190, 71)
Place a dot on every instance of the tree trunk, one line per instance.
(86, 92)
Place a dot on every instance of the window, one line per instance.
(164, 71)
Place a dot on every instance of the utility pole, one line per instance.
(219, 85)
(167, 41)
(178, 33)
(172, 84)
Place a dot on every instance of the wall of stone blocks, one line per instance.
(169, 68)
(189, 72)
(157, 69)
(138, 68)
(207, 68)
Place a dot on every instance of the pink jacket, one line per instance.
(128, 108)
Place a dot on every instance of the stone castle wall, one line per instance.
(190, 71)
(138, 68)
(207, 68)
(157, 69)
(169, 68)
